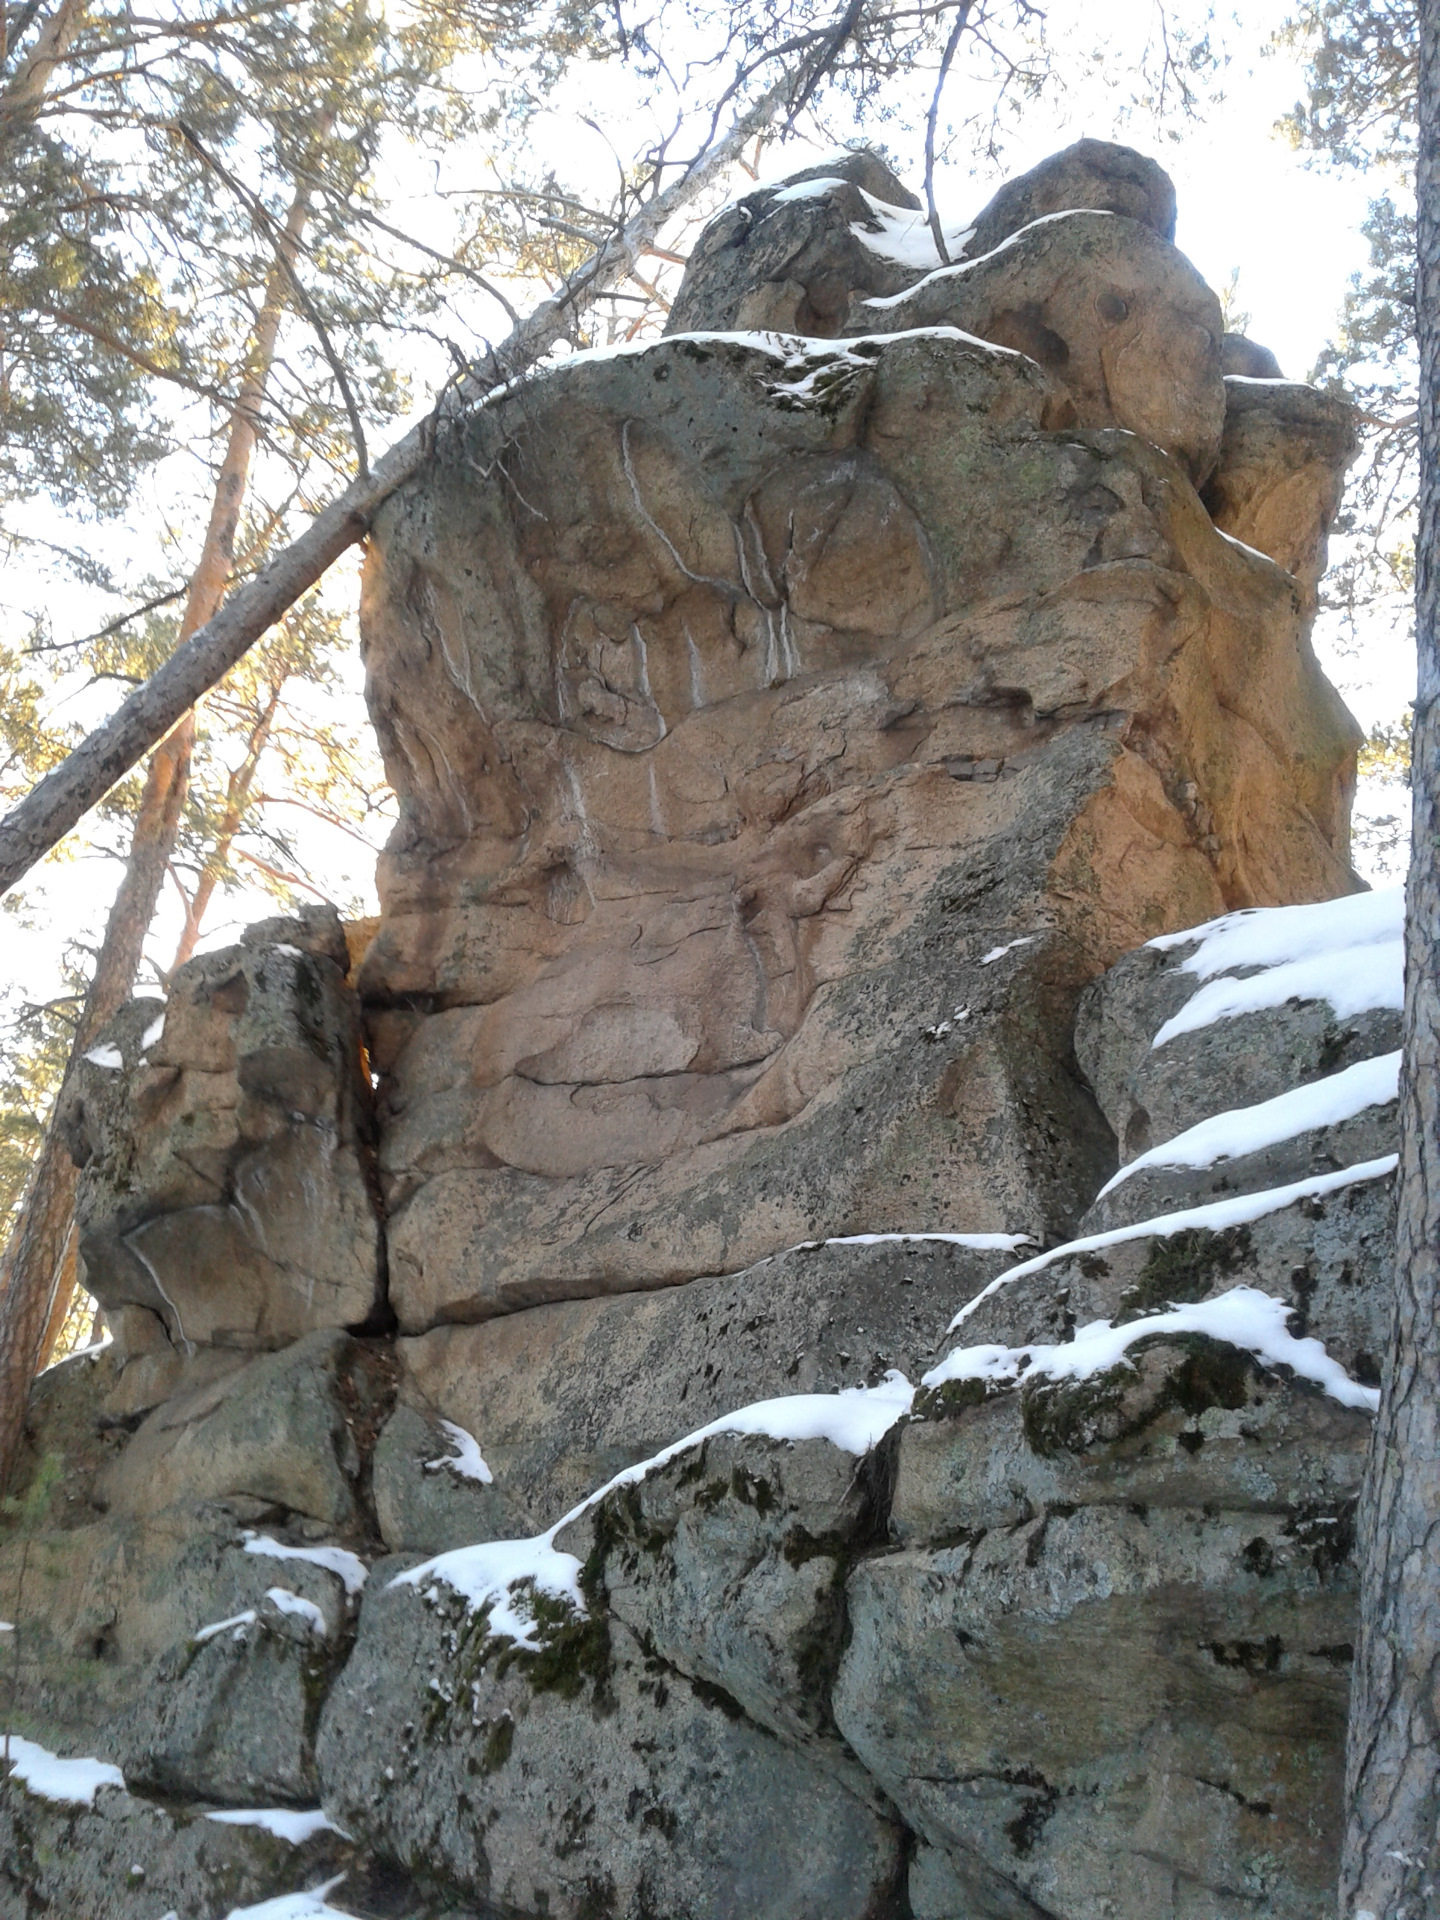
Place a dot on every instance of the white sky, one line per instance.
(1247, 204)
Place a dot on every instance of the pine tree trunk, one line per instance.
(34, 1259)
(237, 799)
(1392, 1844)
(21, 100)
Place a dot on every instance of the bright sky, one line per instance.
(1248, 204)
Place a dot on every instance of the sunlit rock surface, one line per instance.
(878, 1331)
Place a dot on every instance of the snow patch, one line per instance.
(348, 1567)
(977, 1242)
(466, 1462)
(490, 1574)
(1353, 979)
(1244, 1317)
(74, 1783)
(905, 237)
(1348, 951)
(239, 1621)
(294, 1906)
(1215, 1218)
(286, 1823)
(497, 1573)
(1254, 552)
(284, 1601)
(959, 267)
(153, 1033)
(999, 953)
(807, 189)
(1226, 1136)
(110, 1058)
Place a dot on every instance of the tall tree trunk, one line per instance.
(1392, 1844)
(237, 799)
(34, 1265)
(21, 99)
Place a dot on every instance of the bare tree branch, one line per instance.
(937, 231)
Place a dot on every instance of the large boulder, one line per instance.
(585, 1776)
(1280, 474)
(1115, 314)
(125, 1857)
(225, 1138)
(128, 1543)
(1093, 174)
(786, 736)
(791, 256)
(731, 752)
(562, 1397)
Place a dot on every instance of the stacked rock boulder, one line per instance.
(811, 747)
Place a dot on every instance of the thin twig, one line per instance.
(262, 216)
(937, 231)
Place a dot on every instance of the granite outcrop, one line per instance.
(791, 1332)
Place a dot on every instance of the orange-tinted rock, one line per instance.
(1114, 313)
(1281, 473)
(739, 706)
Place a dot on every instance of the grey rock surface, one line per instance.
(1103, 1710)
(1091, 174)
(1239, 354)
(231, 1716)
(1318, 1151)
(1149, 1094)
(790, 260)
(1328, 1257)
(291, 1429)
(563, 1397)
(226, 1146)
(589, 1776)
(129, 1858)
(423, 1504)
(729, 1563)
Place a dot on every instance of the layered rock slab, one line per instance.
(563, 1397)
(703, 833)
(225, 1138)
(1120, 318)
(789, 258)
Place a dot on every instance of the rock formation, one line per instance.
(810, 743)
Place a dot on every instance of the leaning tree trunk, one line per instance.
(36, 1279)
(62, 799)
(1392, 1844)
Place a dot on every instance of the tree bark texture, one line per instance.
(1391, 1867)
(65, 795)
(21, 99)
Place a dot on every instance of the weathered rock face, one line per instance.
(791, 258)
(1119, 318)
(570, 1394)
(1281, 471)
(704, 832)
(226, 1143)
(1094, 174)
(791, 739)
